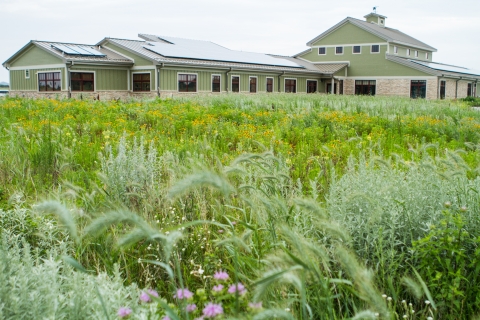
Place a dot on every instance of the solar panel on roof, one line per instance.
(91, 50)
(64, 49)
(448, 68)
(78, 50)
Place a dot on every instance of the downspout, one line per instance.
(456, 87)
(69, 81)
(279, 76)
(438, 87)
(226, 79)
(332, 91)
(158, 79)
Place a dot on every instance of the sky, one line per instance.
(267, 26)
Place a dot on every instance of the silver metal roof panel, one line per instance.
(447, 67)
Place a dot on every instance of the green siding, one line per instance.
(402, 52)
(348, 34)
(107, 79)
(139, 61)
(35, 56)
(19, 82)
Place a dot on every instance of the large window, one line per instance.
(235, 84)
(357, 49)
(375, 48)
(338, 50)
(215, 83)
(291, 85)
(187, 83)
(418, 89)
(49, 81)
(322, 51)
(365, 87)
(82, 81)
(311, 86)
(469, 90)
(141, 82)
(253, 84)
(443, 85)
(269, 84)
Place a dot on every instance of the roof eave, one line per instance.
(20, 52)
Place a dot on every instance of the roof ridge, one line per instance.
(66, 43)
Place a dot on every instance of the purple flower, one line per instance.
(146, 296)
(220, 275)
(217, 288)
(183, 294)
(254, 305)
(212, 310)
(238, 287)
(191, 307)
(124, 312)
(166, 318)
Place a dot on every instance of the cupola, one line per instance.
(376, 18)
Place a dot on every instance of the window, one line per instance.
(141, 82)
(408, 52)
(322, 50)
(49, 81)
(426, 55)
(291, 85)
(235, 84)
(469, 90)
(416, 54)
(27, 74)
(269, 84)
(82, 81)
(365, 87)
(418, 89)
(375, 48)
(215, 83)
(253, 84)
(311, 86)
(357, 49)
(338, 50)
(395, 49)
(443, 85)
(187, 83)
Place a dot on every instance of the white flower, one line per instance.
(287, 309)
(389, 298)
(427, 302)
(200, 270)
(384, 296)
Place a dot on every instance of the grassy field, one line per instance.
(240, 207)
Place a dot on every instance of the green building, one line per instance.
(352, 57)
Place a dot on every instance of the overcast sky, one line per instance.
(267, 26)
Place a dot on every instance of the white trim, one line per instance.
(408, 52)
(415, 53)
(27, 76)
(390, 78)
(371, 49)
(94, 80)
(196, 82)
(351, 45)
(273, 84)
(249, 84)
(45, 66)
(330, 62)
(211, 82)
(306, 84)
(343, 50)
(357, 52)
(296, 85)
(143, 68)
(48, 71)
(395, 50)
(239, 82)
(139, 72)
(322, 54)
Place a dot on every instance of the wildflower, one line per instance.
(427, 302)
(212, 310)
(384, 296)
(257, 305)
(429, 318)
(389, 298)
(146, 296)
(238, 287)
(183, 294)
(217, 288)
(463, 208)
(124, 312)
(220, 275)
(200, 270)
(191, 307)
(287, 309)
(166, 318)
(448, 204)
(220, 231)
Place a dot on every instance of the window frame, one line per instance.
(336, 50)
(316, 85)
(219, 83)
(187, 74)
(409, 52)
(266, 84)
(59, 79)
(415, 53)
(418, 84)
(250, 84)
(360, 87)
(469, 89)
(426, 55)
(285, 85)
(142, 81)
(239, 82)
(443, 89)
(374, 45)
(27, 74)
(322, 54)
(83, 72)
(359, 48)
(395, 49)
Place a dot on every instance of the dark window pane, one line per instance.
(322, 50)
(375, 48)
(356, 49)
(76, 85)
(41, 76)
(235, 84)
(141, 82)
(88, 86)
(365, 87)
(339, 50)
(57, 85)
(42, 86)
(137, 77)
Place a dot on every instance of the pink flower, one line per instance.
(212, 310)
(183, 294)
(221, 275)
(217, 288)
(191, 307)
(257, 305)
(124, 312)
(238, 287)
(166, 318)
(146, 296)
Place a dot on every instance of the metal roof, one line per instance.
(447, 67)
(173, 47)
(389, 34)
(330, 68)
(138, 47)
